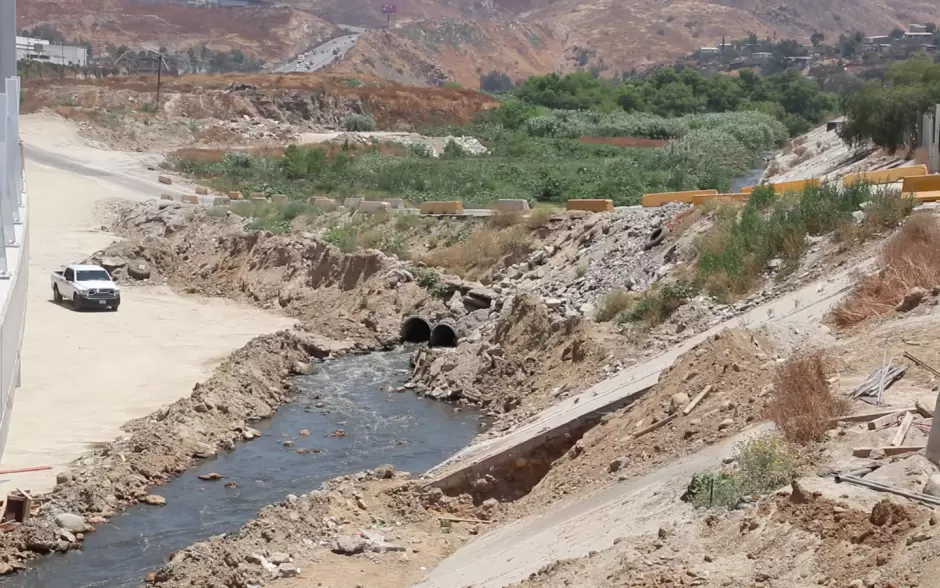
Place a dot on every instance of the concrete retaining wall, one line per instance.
(442, 207)
(508, 205)
(784, 187)
(687, 196)
(885, 176)
(374, 206)
(921, 184)
(591, 205)
(352, 203)
(221, 201)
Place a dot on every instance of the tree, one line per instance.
(930, 27)
(495, 81)
(897, 33)
(817, 39)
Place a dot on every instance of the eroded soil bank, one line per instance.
(344, 418)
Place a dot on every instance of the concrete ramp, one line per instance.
(806, 305)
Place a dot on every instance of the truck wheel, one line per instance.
(55, 294)
(76, 302)
(115, 307)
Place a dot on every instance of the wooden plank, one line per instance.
(656, 425)
(861, 417)
(905, 427)
(886, 421)
(698, 398)
(889, 450)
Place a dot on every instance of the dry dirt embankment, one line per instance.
(248, 386)
(242, 109)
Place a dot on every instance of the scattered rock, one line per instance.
(71, 522)
(912, 300)
(350, 545)
(932, 487)
(287, 570)
(278, 558)
(211, 476)
(725, 424)
(926, 405)
(154, 500)
(678, 401)
(304, 432)
(617, 464)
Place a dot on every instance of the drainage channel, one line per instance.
(349, 393)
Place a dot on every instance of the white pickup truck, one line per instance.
(86, 286)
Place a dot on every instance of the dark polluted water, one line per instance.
(411, 433)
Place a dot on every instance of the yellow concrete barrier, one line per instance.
(259, 199)
(280, 199)
(921, 184)
(202, 190)
(443, 207)
(729, 197)
(236, 196)
(885, 176)
(166, 197)
(258, 195)
(660, 198)
(929, 196)
(591, 205)
(791, 186)
(165, 180)
(190, 199)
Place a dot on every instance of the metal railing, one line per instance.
(14, 226)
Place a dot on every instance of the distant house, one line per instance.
(800, 59)
(877, 40)
(762, 55)
(835, 124)
(917, 28)
(32, 49)
(709, 50)
(920, 36)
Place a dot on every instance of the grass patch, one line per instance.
(612, 304)
(910, 259)
(733, 255)
(763, 465)
(803, 404)
(482, 249)
(657, 304)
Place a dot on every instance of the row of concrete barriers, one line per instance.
(915, 183)
(434, 208)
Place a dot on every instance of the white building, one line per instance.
(918, 35)
(31, 49)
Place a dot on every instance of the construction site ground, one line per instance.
(605, 503)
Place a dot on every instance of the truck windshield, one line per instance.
(92, 276)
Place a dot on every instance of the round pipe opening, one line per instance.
(415, 329)
(443, 335)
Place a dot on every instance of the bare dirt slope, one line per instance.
(456, 50)
(268, 34)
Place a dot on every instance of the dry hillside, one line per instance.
(268, 34)
(435, 51)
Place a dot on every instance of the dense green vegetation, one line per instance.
(538, 159)
(734, 255)
(887, 112)
(791, 98)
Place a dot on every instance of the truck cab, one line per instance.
(86, 286)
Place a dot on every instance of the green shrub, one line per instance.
(612, 304)
(360, 122)
(764, 465)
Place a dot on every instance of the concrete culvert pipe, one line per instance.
(443, 335)
(415, 329)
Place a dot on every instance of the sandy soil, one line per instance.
(85, 374)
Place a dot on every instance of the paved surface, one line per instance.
(321, 56)
(592, 522)
(806, 305)
(87, 373)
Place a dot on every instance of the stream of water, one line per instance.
(411, 433)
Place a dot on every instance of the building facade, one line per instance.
(31, 49)
(14, 224)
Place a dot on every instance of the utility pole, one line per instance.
(159, 69)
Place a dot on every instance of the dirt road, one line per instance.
(589, 523)
(85, 374)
